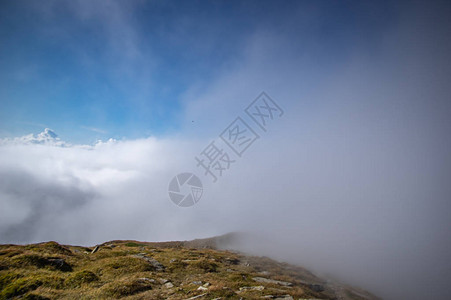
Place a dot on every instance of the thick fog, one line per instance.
(351, 181)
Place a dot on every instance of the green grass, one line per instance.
(114, 272)
(19, 287)
(80, 278)
(132, 244)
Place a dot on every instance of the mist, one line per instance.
(352, 181)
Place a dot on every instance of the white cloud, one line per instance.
(47, 137)
(353, 179)
(89, 189)
(94, 129)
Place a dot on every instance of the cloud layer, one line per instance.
(352, 180)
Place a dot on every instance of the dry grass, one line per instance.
(116, 271)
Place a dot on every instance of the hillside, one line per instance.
(167, 270)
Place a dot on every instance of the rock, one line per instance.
(172, 260)
(95, 249)
(202, 288)
(316, 287)
(156, 264)
(313, 286)
(163, 281)
(286, 297)
(59, 263)
(147, 279)
(206, 284)
(252, 288)
(168, 285)
(266, 280)
(232, 261)
(197, 282)
(196, 297)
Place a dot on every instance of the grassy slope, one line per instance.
(127, 270)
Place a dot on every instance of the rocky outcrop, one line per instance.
(266, 280)
(153, 262)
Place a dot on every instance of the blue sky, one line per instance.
(353, 180)
(123, 69)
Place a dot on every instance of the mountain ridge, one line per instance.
(125, 269)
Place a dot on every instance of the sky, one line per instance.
(101, 69)
(103, 103)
